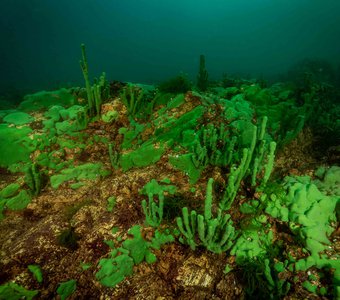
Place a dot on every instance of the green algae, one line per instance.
(60, 120)
(15, 145)
(308, 211)
(46, 99)
(252, 243)
(66, 289)
(18, 202)
(14, 291)
(68, 238)
(328, 180)
(12, 198)
(37, 273)
(152, 210)
(89, 171)
(18, 118)
(111, 202)
(10, 190)
(143, 156)
(186, 165)
(134, 250)
(114, 270)
(110, 116)
(310, 214)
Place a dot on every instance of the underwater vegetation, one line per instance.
(180, 189)
(175, 85)
(202, 77)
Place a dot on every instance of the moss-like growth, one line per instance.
(308, 211)
(19, 201)
(83, 172)
(18, 118)
(71, 210)
(33, 179)
(44, 100)
(15, 145)
(110, 116)
(114, 270)
(10, 190)
(262, 280)
(66, 289)
(13, 199)
(68, 238)
(14, 291)
(111, 203)
(141, 157)
(37, 273)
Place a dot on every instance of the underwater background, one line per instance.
(170, 149)
(149, 41)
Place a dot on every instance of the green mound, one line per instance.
(18, 118)
(45, 99)
(15, 145)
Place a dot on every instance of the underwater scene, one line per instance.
(170, 149)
